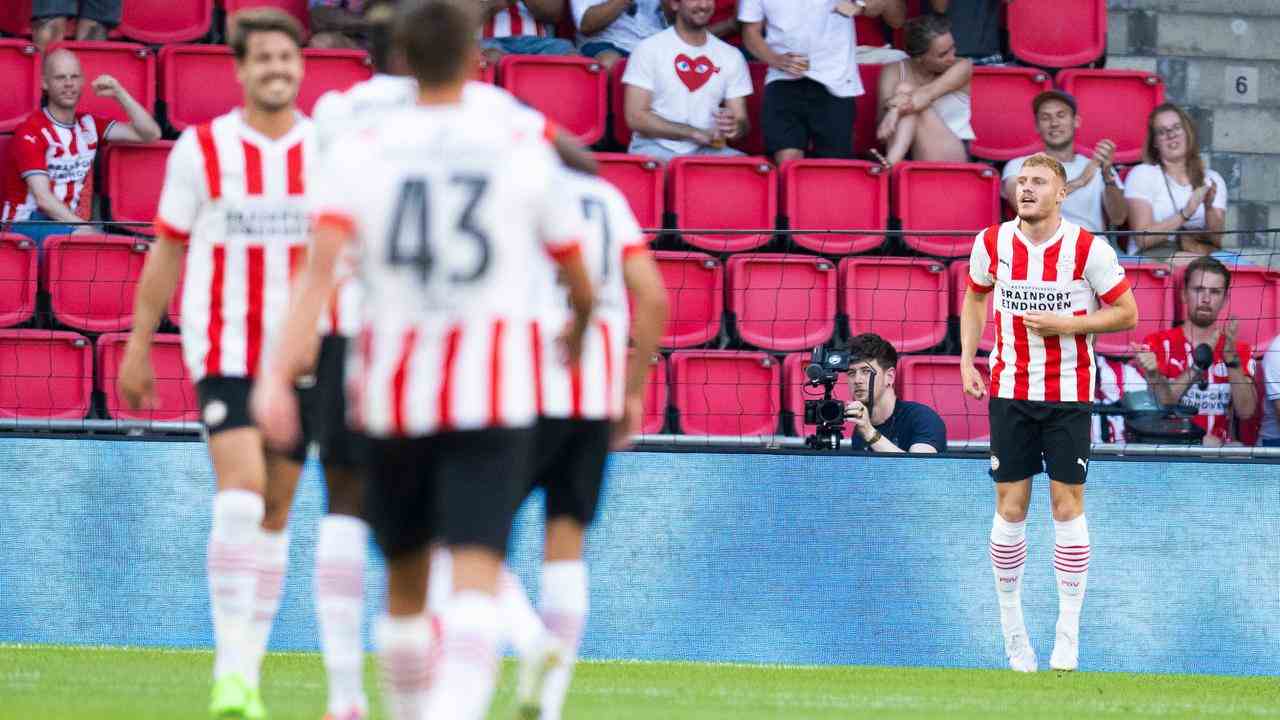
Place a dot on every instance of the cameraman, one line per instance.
(892, 425)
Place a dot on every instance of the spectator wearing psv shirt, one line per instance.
(1167, 358)
(53, 150)
(686, 89)
(522, 27)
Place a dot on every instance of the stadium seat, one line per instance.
(964, 197)
(903, 300)
(1002, 118)
(15, 19)
(486, 72)
(869, 31)
(1116, 103)
(1152, 285)
(958, 274)
(725, 392)
(655, 396)
(20, 68)
(175, 396)
(866, 106)
(782, 302)
(640, 180)
(135, 174)
(161, 22)
(794, 393)
(1253, 300)
(695, 295)
(621, 131)
(835, 195)
(728, 10)
(45, 375)
(91, 279)
(5, 139)
(133, 65)
(331, 70)
(753, 142)
(715, 193)
(18, 279)
(572, 91)
(934, 380)
(297, 8)
(1058, 34)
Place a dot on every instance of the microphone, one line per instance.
(1203, 357)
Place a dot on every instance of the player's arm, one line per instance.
(46, 201)
(572, 152)
(141, 126)
(973, 318)
(641, 118)
(155, 287)
(1120, 315)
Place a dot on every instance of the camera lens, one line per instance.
(831, 411)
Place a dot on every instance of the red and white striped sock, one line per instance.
(1008, 550)
(1071, 566)
(339, 591)
(233, 575)
(564, 610)
(272, 562)
(468, 663)
(404, 652)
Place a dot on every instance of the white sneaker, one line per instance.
(1066, 652)
(1022, 658)
(532, 676)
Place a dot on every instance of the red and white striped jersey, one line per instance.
(450, 210)
(236, 197)
(42, 145)
(1116, 377)
(593, 389)
(1067, 274)
(1175, 353)
(516, 20)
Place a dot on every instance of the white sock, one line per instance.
(1071, 566)
(339, 592)
(439, 581)
(404, 649)
(564, 611)
(272, 561)
(468, 664)
(1008, 550)
(521, 625)
(233, 575)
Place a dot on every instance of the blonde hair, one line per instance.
(1044, 161)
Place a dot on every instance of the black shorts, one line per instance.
(224, 405)
(569, 463)
(459, 488)
(1029, 437)
(326, 408)
(797, 111)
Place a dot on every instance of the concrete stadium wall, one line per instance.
(706, 557)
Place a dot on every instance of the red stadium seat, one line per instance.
(331, 70)
(869, 31)
(903, 300)
(20, 70)
(782, 302)
(133, 65)
(640, 180)
(486, 72)
(15, 19)
(727, 10)
(794, 393)
(934, 380)
(297, 8)
(1152, 285)
(1116, 104)
(1253, 300)
(723, 392)
(91, 279)
(175, 396)
(617, 105)
(135, 174)
(572, 91)
(1058, 34)
(866, 106)
(160, 22)
(714, 193)
(18, 279)
(5, 139)
(835, 195)
(753, 142)
(945, 196)
(655, 396)
(695, 294)
(44, 374)
(1002, 117)
(959, 282)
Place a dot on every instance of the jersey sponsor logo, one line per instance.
(1020, 298)
(71, 170)
(1083, 463)
(1213, 400)
(695, 72)
(251, 223)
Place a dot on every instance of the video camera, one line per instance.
(827, 414)
(1147, 421)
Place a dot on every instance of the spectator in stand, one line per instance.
(1269, 435)
(608, 30)
(975, 24)
(924, 100)
(1172, 190)
(686, 89)
(337, 24)
(890, 425)
(1167, 358)
(53, 150)
(93, 19)
(522, 27)
(813, 71)
(1094, 187)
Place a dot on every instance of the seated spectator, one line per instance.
(1269, 435)
(1094, 186)
(523, 27)
(52, 151)
(813, 72)
(1116, 378)
(1173, 190)
(93, 19)
(1167, 358)
(890, 425)
(924, 100)
(975, 24)
(686, 89)
(609, 30)
(336, 24)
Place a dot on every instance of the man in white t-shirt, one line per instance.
(609, 30)
(1269, 435)
(686, 89)
(1095, 187)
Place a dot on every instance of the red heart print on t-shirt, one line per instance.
(694, 72)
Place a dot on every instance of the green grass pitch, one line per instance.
(57, 682)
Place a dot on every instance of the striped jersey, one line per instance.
(593, 388)
(236, 197)
(1175, 353)
(1116, 378)
(514, 21)
(450, 210)
(1068, 274)
(43, 146)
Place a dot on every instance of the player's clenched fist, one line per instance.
(972, 379)
(106, 86)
